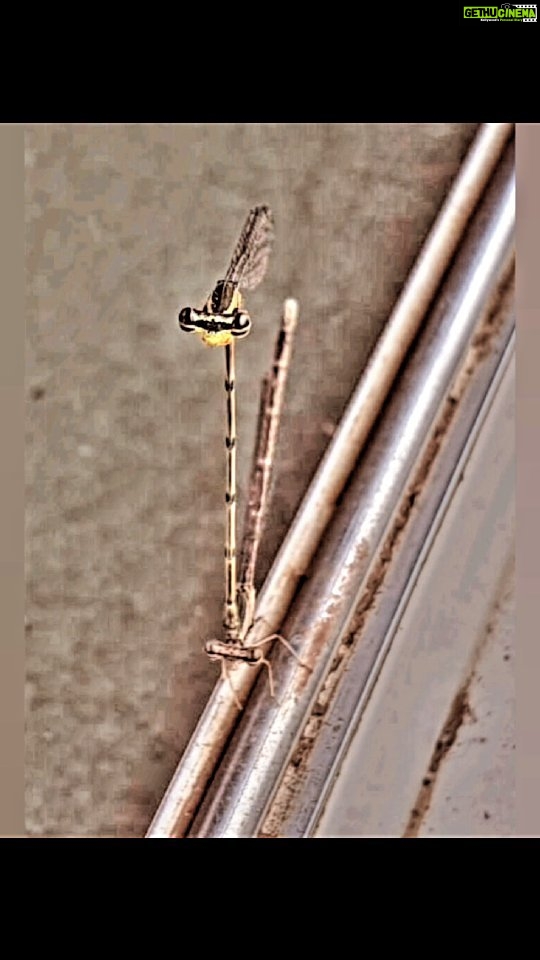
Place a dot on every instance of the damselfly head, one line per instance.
(215, 330)
(220, 331)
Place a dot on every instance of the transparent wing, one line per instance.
(250, 258)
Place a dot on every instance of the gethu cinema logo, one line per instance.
(504, 12)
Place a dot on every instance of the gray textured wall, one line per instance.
(125, 470)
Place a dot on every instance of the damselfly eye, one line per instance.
(241, 326)
(184, 319)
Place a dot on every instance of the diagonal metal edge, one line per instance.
(308, 781)
(267, 734)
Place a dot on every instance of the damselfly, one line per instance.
(223, 320)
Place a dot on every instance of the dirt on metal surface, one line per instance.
(459, 712)
(501, 305)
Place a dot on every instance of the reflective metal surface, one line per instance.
(414, 761)
(306, 788)
(268, 732)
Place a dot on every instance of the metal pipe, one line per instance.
(266, 735)
(306, 787)
(219, 717)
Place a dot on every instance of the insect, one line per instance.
(222, 321)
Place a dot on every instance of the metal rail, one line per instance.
(308, 784)
(267, 734)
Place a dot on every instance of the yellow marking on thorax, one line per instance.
(223, 337)
(220, 339)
